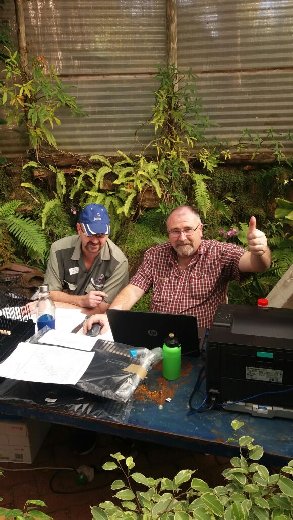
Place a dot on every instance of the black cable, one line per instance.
(79, 489)
(200, 378)
(243, 399)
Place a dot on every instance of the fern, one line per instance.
(101, 158)
(201, 193)
(48, 208)
(9, 208)
(28, 233)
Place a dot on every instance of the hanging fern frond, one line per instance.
(202, 197)
(49, 207)
(9, 208)
(28, 233)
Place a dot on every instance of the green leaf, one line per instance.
(125, 494)
(251, 488)
(161, 507)
(141, 479)
(234, 512)
(287, 469)
(261, 514)
(236, 425)
(235, 462)
(129, 462)
(167, 484)
(98, 513)
(256, 452)
(281, 502)
(263, 472)
(273, 479)
(181, 515)
(286, 486)
(118, 484)
(258, 480)
(245, 440)
(199, 485)
(108, 466)
(262, 502)
(213, 504)
(199, 512)
(182, 476)
(129, 505)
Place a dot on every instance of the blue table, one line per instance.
(149, 417)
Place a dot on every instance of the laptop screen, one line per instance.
(150, 329)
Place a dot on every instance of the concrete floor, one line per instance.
(67, 500)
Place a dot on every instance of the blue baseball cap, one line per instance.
(94, 220)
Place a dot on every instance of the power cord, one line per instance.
(83, 475)
(202, 407)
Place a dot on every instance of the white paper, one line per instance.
(68, 339)
(46, 364)
(67, 319)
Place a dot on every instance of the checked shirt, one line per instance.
(196, 290)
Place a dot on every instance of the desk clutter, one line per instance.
(15, 326)
(102, 368)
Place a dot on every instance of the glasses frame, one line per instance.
(177, 232)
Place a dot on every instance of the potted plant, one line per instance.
(250, 492)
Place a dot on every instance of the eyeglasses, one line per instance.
(188, 231)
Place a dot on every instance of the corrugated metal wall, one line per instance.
(242, 53)
(110, 51)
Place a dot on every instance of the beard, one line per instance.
(184, 249)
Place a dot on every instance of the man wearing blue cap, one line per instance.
(87, 269)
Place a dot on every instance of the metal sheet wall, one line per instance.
(110, 51)
(242, 53)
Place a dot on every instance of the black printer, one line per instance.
(249, 360)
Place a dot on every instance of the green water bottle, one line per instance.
(171, 358)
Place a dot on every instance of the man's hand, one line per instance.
(257, 241)
(96, 318)
(93, 298)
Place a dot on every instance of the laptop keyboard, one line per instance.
(114, 347)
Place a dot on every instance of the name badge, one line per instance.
(73, 270)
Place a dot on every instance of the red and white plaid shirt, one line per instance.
(196, 290)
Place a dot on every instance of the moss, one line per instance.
(138, 236)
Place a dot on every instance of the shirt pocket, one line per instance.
(162, 290)
(202, 283)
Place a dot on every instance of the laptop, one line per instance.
(150, 329)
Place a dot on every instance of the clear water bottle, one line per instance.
(171, 358)
(45, 309)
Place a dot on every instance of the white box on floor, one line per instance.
(20, 440)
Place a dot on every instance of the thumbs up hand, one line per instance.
(257, 241)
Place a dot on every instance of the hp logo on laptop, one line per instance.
(152, 332)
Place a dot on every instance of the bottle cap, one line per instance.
(262, 302)
(44, 288)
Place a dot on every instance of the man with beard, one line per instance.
(190, 275)
(87, 269)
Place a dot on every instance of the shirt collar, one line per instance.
(174, 257)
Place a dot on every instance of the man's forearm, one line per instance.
(253, 263)
(73, 299)
(127, 297)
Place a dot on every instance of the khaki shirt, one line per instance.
(66, 270)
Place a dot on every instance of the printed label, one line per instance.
(264, 374)
(73, 270)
